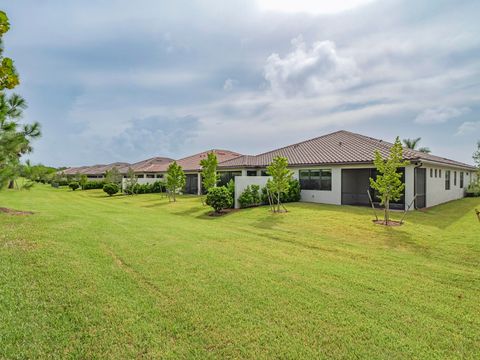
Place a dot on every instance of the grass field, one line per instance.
(89, 276)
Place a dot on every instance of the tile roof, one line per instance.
(192, 163)
(155, 164)
(341, 147)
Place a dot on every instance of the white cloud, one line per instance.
(229, 84)
(440, 115)
(468, 127)
(310, 71)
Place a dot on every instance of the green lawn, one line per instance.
(89, 276)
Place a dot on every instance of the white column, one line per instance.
(409, 185)
(199, 182)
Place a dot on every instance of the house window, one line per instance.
(431, 172)
(251, 172)
(315, 179)
(461, 180)
(440, 173)
(226, 176)
(159, 176)
(263, 173)
(447, 180)
(454, 178)
(140, 176)
(436, 172)
(151, 176)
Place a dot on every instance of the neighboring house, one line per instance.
(191, 167)
(336, 168)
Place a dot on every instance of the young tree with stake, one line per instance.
(175, 179)
(209, 171)
(281, 178)
(388, 182)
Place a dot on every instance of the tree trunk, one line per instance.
(387, 209)
(278, 202)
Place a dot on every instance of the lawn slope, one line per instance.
(88, 276)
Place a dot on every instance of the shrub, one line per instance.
(231, 191)
(250, 196)
(473, 190)
(74, 185)
(219, 198)
(90, 185)
(110, 189)
(292, 194)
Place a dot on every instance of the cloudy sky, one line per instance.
(125, 80)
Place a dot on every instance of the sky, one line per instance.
(127, 80)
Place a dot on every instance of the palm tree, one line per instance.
(413, 143)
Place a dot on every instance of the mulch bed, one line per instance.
(223, 212)
(390, 223)
(15, 212)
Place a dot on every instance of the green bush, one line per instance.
(91, 185)
(292, 194)
(110, 189)
(156, 187)
(231, 191)
(250, 196)
(74, 185)
(473, 190)
(219, 198)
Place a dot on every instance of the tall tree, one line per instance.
(388, 182)
(413, 143)
(281, 177)
(175, 179)
(209, 171)
(15, 138)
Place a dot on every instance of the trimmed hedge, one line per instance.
(91, 185)
(156, 187)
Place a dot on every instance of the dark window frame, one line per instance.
(315, 179)
(454, 178)
(431, 172)
(447, 180)
(462, 179)
(436, 173)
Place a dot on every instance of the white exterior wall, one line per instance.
(241, 183)
(333, 196)
(436, 193)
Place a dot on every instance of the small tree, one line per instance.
(110, 189)
(219, 198)
(388, 182)
(476, 158)
(175, 179)
(113, 176)
(83, 181)
(209, 171)
(281, 178)
(73, 185)
(130, 182)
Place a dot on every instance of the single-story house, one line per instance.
(151, 170)
(336, 168)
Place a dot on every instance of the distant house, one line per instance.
(336, 168)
